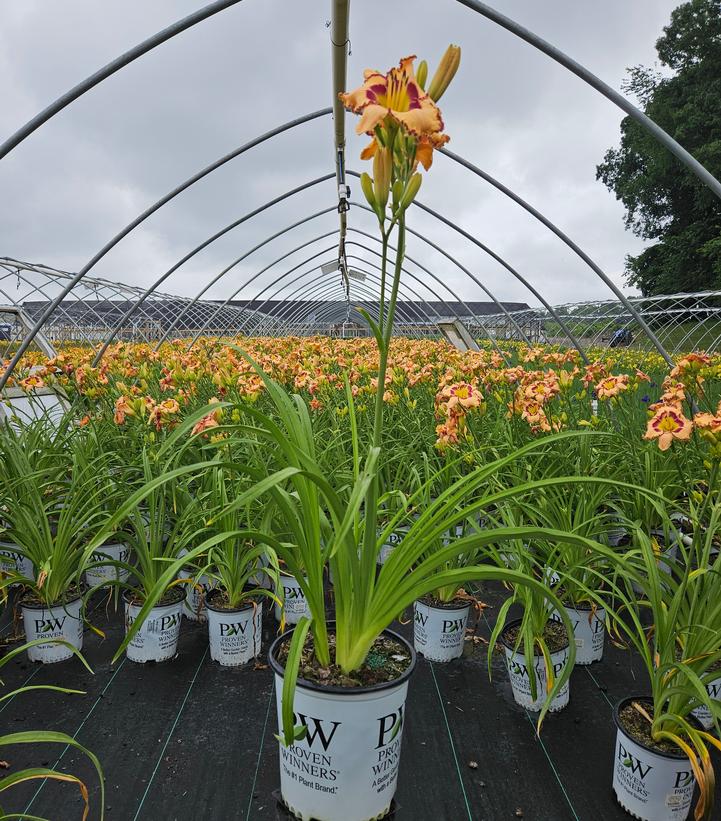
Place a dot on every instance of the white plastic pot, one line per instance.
(391, 543)
(520, 675)
(346, 767)
(234, 635)
(157, 638)
(439, 632)
(589, 631)
(650, 785)
(103, 574)
(703, 714)
(12, 561)
(58, 621)
(294, 601)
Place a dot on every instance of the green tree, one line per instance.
(664, 201)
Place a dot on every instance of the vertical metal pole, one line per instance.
(340, 11)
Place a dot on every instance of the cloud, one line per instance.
(77, 181)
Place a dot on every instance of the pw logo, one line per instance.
(714, 689)
(452, 625)
(292, 593)
(49, 625)
(389, 726)
(233, 629)
(421, 618)
(168, 622)
(631, 762)
(315, 730)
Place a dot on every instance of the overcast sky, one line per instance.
(523, 118)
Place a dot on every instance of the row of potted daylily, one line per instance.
(507, 498)
(549, 563)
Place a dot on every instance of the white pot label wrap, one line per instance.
(589, 630)
(391, 543)
(347, 765)
(650, 786)
(235, 635)
(520, 677)
(195, 593)
(12, 561)
(56, 622)
(439, 632)
(293, 598)
(107, 572)
(157, 638)
(713, 688)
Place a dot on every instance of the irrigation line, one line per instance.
(32, 675)
(540, 741)
(598, 686)
(172, 730)
(38, 667)
(75, 734)
(450, 739)
(260, 752)
(553, 766)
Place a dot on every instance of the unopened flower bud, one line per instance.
(367, 188)
(382, 170)
(422, 74)
(445, 72)
(412, 189)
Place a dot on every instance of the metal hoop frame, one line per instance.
(340, 24)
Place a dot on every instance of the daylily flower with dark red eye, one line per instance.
(396, 99)
(611, 386)
(31, 383)
(667, 424)
(466, 396)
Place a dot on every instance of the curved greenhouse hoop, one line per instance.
(340, 25)
(50, 309)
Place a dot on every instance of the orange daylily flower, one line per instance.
(397, 98)
(31, 383)
(667, 424)
(611, 386)
(709, 427)
(123, 408)
(210, 420)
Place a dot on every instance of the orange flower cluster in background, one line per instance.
(542, 388)
(452, 404)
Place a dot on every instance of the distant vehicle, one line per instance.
(6, 332)
(621, 338)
